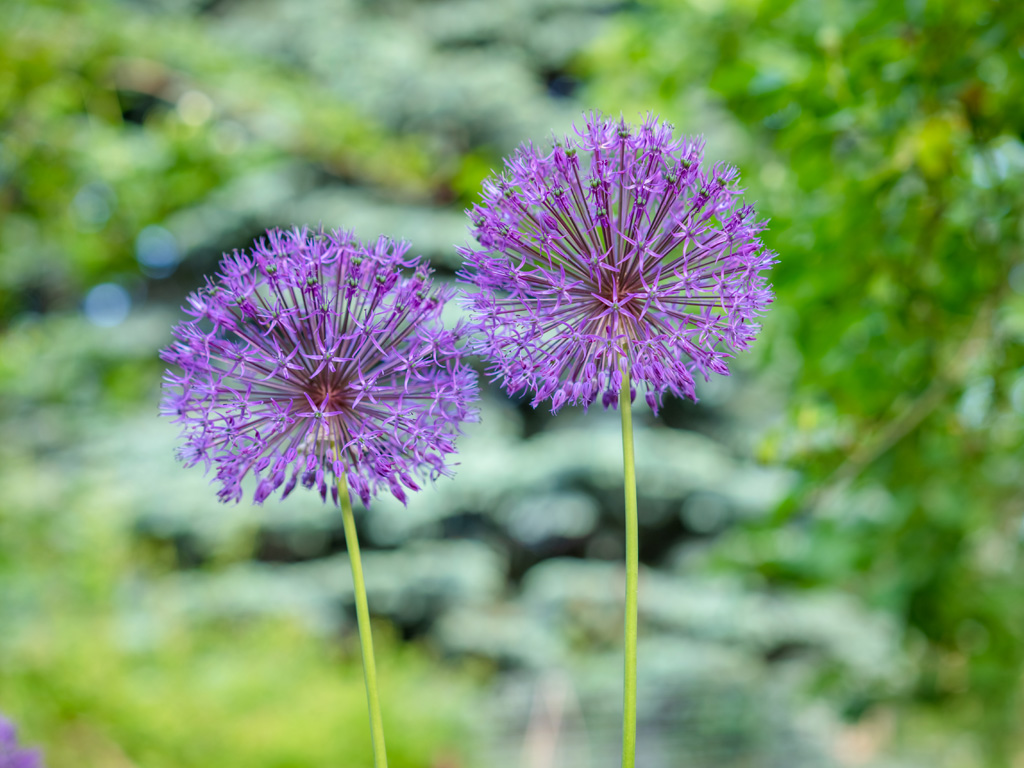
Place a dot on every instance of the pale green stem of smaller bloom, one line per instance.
(380, 758)
(632, 574)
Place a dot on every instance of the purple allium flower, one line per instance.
(13, 756)
(313, 355)
(616, 244)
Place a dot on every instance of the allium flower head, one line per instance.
(314, 355)
(618, 243)
(11, 755)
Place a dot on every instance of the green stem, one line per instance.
(380, 758)
(632, 575)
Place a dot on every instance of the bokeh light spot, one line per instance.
(107, 305)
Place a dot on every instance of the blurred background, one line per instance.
(831, 537)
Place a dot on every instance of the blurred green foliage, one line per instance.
(258, 695)
(884, 142)
(113, 119)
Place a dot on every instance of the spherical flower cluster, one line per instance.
(311, 356)
(617, 247)
(12, 755)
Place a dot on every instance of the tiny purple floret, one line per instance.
(314, 356)
(616, 246)
(12, 755)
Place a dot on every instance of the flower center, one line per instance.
(620, 305)
(338, 395)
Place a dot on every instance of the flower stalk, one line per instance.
(632, 573)
(380, 758)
